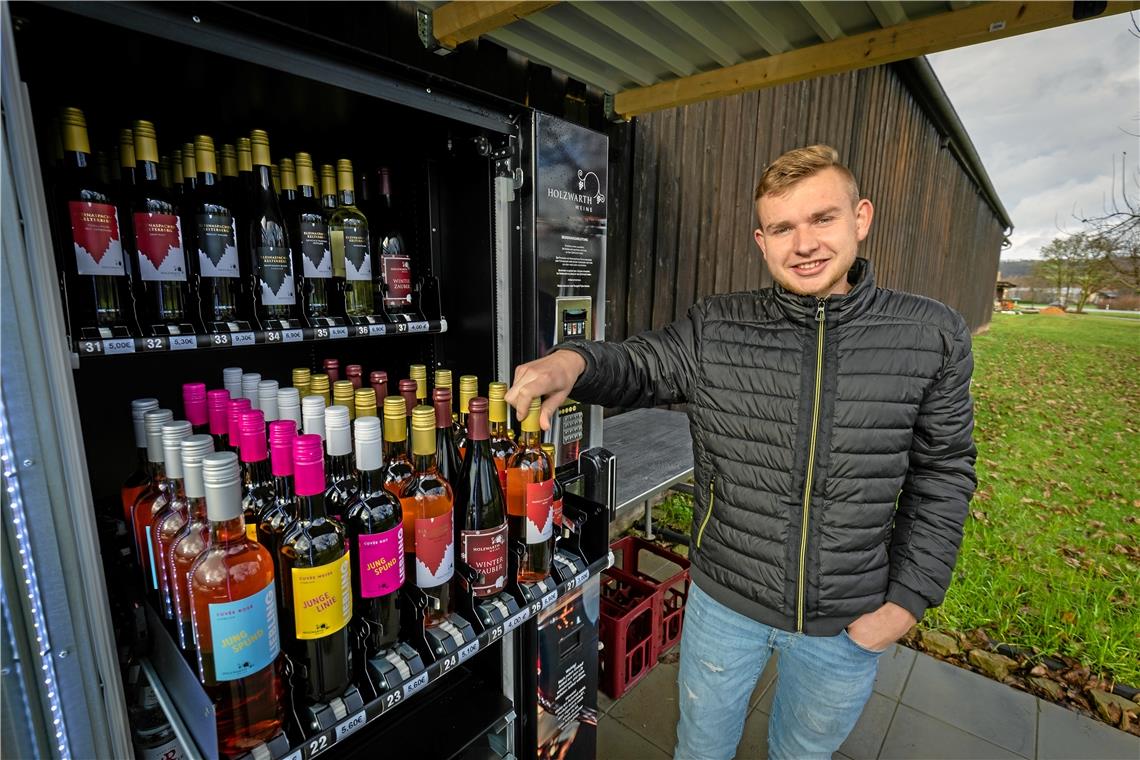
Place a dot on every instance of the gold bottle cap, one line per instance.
(418, 372)
(176, 165)
(189, 163)
(244, 155)
(443, 378)
(229, 161)
(344, 181)
(328, 180)
(319, 384)
(468, 389)
(423, 430)
(497, 391)
(74, 131)
(288, 175)
(126, 149)
(259, 146)
(365, 402)
(343, 389)
(304, 164)
(395, 415)
(549, 449)
(204, 154)
(530, 423)
(146, 143)
(301, 375)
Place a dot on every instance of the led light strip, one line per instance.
(31, 583)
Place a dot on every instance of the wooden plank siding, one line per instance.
(694, 171)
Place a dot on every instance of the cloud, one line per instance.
(1049, 113)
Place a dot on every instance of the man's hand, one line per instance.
(879, 629)
(551, 376)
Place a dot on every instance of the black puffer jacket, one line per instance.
(861, 399)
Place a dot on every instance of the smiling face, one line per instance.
(810, 233)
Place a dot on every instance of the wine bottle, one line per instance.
(342, 487)
(468, 389)
(317, 567)
(332, 369)
(189, 170)
(395, 261)
(231, 380)
(483, 526)
(234, 612)
(302, 376)
(443, 380)
(378, 379)
(98, 300)
(245, 174)
(430, 499)
(328, 190)
(138, 480)
(169, 520)
(194, 404)
(374, 523)
(342, 395)
(161, 263)
(309, 234)
(238, 406)
(177, 179)
(154, 496)
(282, 511)
(398, 470)
(530, 499)
(352, 255)
(275, 179)
(418, 372)
(289, 406)
(353, 373)
(216, 265)
(558, 496)
(271, 267)
(267, 399)
(365, 399)
(319, 386)
(127, 166)
(288, 193)
(230, 189)
(447, 456)
(190, 542)
(257, 478)
(219, 403)
(408, 393)
(502, 447)
(163, 174)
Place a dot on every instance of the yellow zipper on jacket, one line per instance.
(708, 512)
(821, 324)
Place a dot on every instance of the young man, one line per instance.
(832, 435)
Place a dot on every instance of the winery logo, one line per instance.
(589, 192)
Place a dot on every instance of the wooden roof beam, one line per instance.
(461, 20)
(945, 31)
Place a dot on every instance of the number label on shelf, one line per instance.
(355, 723)
(393, 698)
(319, 744)
(295, 755)
(418, 327)
(296, 335)
(243, 339)
(119, 346)
(90, 347)
(449, 662)
(496, 634)
(539, 606)
(469, 651)
(220, 339)
(322, 333)
(417, 683)
(183, 342)
(272, 336)
(361, 330)
(377, 329)
(338, 332)
(157, 343)
(550, 599)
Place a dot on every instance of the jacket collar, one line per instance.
(838, 309)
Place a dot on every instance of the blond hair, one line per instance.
(798, 164)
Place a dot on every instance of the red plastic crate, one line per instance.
(670, 591)
(628, 630)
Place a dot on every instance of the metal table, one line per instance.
(654, 451)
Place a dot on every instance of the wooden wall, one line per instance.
(682, 221)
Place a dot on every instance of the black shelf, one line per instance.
(211, 341)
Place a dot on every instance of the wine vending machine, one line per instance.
(262, 295)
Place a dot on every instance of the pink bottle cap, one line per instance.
(237, 406)
(219, 405)
(281, 435)
(194, 402)
(308, 465)
(253, 436)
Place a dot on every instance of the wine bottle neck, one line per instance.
(371, 481)
(227, 531)
(283, 487)
(347, 198)
(425, 462)
(530, 439)
(307, 191)
(257, 473)
(264, 178)
(394, 449)
(196, 507)
(149, 171)
(340, 467)
(311, 507)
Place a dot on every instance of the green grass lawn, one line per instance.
(1051, 553)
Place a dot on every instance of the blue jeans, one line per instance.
(822, 684)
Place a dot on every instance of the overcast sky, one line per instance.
(1048, 113)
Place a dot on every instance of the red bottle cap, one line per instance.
(332, 368)
(354, 372)
(281, 435)
(308, 465)
(378, 379)
(477, 426)
(408, 391)
(441, 398)
(194, 402)
(237, 406)
(219, 406)
(253, 436)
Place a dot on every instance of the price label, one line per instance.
(90, 347)
(515, 620)
(220, 339)
(338, 332)
(377, 330)
(393, 698)
(449, 662)
(243, 339)
(469, 651)
(581, 578)
(119, 346)
(414, 685)
(419, 327)
(496, 633)
(296, 335)
(272, 336)
(157, 343)
(550, 599)
(353, 724)
(295, 755)
(360, 330)
(322, 333)
(319, 744)
(183, 342)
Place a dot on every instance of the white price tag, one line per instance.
(355, 723)
(183, 342)
(338, 332)
(293, 756)
(515, 620)
(581, 578)
(417, 683)
(243, 339)
(295, 335)
(469, 651)
(119, 346)
(377, 329)
(419, 327)
(549, 599)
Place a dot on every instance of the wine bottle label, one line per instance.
(95, 233)
(316, 260)
(485, 551)
(251, 531)
(159, 240)
(381, 562)
(150, 554)
(357, 262)
(322, 598)
(244, 634)
(171, 750)
(435, 550)
(398, 277)
(217, 245)
(539, 511)
(275, 271)
(558, 513)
